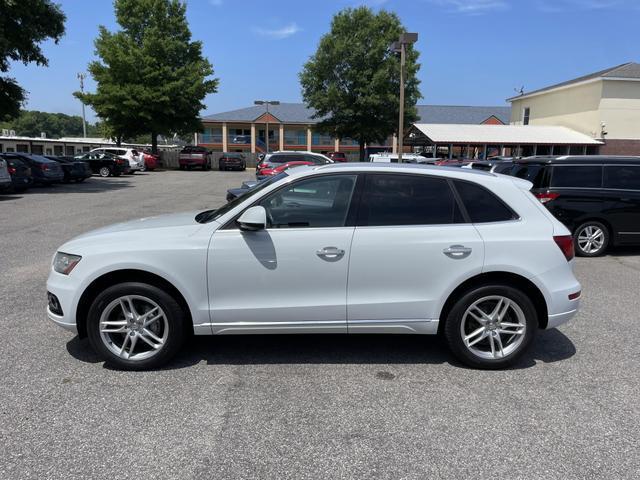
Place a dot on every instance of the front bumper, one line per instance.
(65, 289)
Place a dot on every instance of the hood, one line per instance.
(144, 230)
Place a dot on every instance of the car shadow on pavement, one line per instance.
(92, 185)
(10, 196)
(549, 347)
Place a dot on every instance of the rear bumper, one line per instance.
(557, 285)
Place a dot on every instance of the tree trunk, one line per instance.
(154, 142)
(118, 140)
(361, 142)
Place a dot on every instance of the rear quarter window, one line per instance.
(482, 205)
(576, 176)
(624, 177)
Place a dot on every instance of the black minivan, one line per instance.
(597, 197)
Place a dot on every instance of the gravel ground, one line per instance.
(301, 407)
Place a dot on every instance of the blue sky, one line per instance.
(473, 52)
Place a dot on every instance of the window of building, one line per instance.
(578, 176)
(318, 138)
(626, 177)
(482, 205)
(37, 149)
(526, 113)
(295, 136)
(22, 147)
(348, 141)
(1, 148)
(49, 151)
(57, 149)
(317, 202)
(70, 150)
(212, 135)
(407, 200)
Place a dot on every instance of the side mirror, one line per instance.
(254, 218)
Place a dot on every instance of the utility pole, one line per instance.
(81, 77)
(401, 47)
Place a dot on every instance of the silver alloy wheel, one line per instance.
(134, 327)
(104, 172)
(590, 239)
(493, 327)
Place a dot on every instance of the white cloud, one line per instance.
(472, 7)
(553, 6)
(216, 3)
(279, 33)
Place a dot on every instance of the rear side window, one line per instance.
(315, 159)
(534, 172)
(626, 177)
(482, 205)
(578, 176)
(286, 158)
(407, 200)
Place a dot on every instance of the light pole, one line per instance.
(81, 77)
(266, 103)
(400, 47)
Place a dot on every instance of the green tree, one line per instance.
(151, 77)
(353, 79)
(31, 123)
(24, 24)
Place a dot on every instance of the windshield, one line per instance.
(209, 215)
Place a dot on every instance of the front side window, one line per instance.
(407, 200)
(625, 177)
(534, 172)
(578, 176)
(482, 205)
(315, 202)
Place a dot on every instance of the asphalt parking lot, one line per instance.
(297, 407)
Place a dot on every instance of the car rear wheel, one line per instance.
(591, 239)
(135, 326)
(105, 171)
(491, 326)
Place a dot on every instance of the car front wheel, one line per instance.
(591, 239)
(135, 326)
(490, 327)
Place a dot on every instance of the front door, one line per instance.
(291, 276)
(411, 245)
(623, 183)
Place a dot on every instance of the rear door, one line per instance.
(623, 183)
(410, 245)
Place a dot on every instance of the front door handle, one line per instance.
(457, 251)
(330, 253)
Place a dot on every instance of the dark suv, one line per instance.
(596, 197)
(232, 161)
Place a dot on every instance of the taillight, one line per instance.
(12, 170)
(262, 165)
(546, 197)
(44, 166)
(565, 243)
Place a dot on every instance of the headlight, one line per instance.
(64, 262)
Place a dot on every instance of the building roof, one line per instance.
(299, 113)
(503, 134)
(629, 70)
(461, 114)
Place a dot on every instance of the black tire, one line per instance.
(454, 336)
(585, 250)
(80, 180)
(181, 167)
(117, 174)
(220, 167)
(173, 313)
(105, 172)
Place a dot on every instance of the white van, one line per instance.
(406, 158)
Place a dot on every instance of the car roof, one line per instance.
(579, 159)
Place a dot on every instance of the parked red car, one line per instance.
(337, 156)
(151, 160)
(268, 172)
(194, 156)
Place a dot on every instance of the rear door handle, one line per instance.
(330, 253)
(457, 251)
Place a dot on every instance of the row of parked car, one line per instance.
(19, 171)
(596, 197)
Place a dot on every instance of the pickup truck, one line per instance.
(193, 156)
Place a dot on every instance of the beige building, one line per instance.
(604, 105)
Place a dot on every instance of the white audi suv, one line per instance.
(354, 248)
